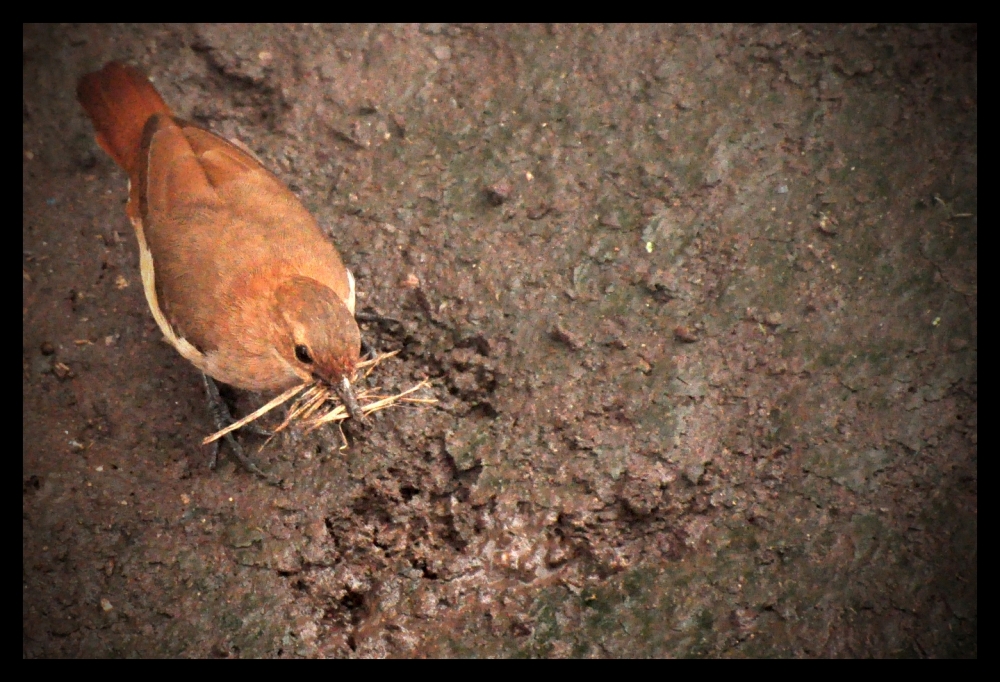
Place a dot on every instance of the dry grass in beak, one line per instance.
(378, 402)
(370, 365)
(313, 396)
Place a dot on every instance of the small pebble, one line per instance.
(498, 192)
(567, 337)
(685, 334)
(611, 220)
(538, 212)
(62, 371)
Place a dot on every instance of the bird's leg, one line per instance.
(220, 413)
(344, 389)
(378, 319)
(367, 348)
(362, 316)
(221, 407)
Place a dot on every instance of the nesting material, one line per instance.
(313, 397)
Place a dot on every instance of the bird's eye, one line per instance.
(302, 353)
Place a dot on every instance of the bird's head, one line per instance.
(318, 336)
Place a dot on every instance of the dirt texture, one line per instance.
(699, 304)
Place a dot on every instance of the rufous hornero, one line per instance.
(238, 275)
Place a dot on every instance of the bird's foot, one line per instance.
(368, 349)
(220, 413)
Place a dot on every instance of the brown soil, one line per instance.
(699, 305)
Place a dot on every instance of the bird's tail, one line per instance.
(120, 100)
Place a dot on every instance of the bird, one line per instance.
(238, 275)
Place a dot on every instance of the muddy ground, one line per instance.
(699, 304)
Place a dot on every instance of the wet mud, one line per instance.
(699, 305)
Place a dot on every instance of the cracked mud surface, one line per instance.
(699, 305)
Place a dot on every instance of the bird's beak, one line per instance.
(346, 394)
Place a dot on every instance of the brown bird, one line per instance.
(238, 275)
